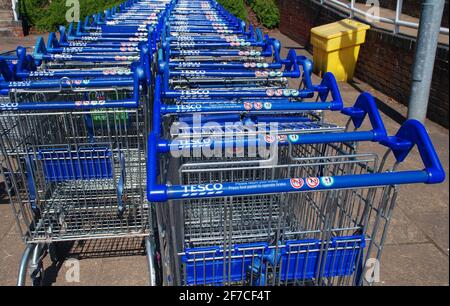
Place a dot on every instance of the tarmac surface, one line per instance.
(416, 251)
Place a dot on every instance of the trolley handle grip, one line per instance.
(413, 133)
(329, 86)
(365, 106)
(307, 66)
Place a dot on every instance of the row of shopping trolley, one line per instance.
(175, 121)
(74, 120)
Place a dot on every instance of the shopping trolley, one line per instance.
(313, 218)
(75, 160)
(74, 123)
(311, 209)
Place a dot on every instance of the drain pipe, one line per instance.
(425, 54)
(15, 9)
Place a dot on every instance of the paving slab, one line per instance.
(62, 273)
(402, 230)
(435, 226)
(7, 219)
(130, 271)
(414, 265)
(11, 248)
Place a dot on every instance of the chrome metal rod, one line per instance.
(149, 246)
(21, 279)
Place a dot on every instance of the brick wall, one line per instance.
(385, 60)
(5, 4)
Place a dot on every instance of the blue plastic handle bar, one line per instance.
(412, 130)
(247, 118)
(69, 83)
(364, 106)
(216, 65)
(165, 146)
(413, 133)
(26, 67)
(162, 193)
(233, 94)
(292, 70)
(275, 106)
(328, 86)
(270, 47)
(139, 78)
(76, 52)
(307, 67)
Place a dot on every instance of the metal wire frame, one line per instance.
(277, 219)
(72, 202)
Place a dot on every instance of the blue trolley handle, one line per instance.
(307, 67)
(273, 46)
(365, 106)
(138, 79)
(411, 133)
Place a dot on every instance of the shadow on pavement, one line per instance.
(91, 249)
(383, 107)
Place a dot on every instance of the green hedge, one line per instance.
(235, 7)
(266, 11)
(47, 15)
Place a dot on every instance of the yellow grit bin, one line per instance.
(336, 47)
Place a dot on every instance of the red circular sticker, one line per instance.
(270, 138)
(258, 105)
(282, 138)
(270, 92)
(297, 183)
(312, 182)
(248, 106)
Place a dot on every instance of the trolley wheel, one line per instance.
(7, 184)
(54, 251)
(37, 276)
(2, 190)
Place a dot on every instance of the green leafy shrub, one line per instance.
(235, 7)
(266, 11)
(47, 15)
